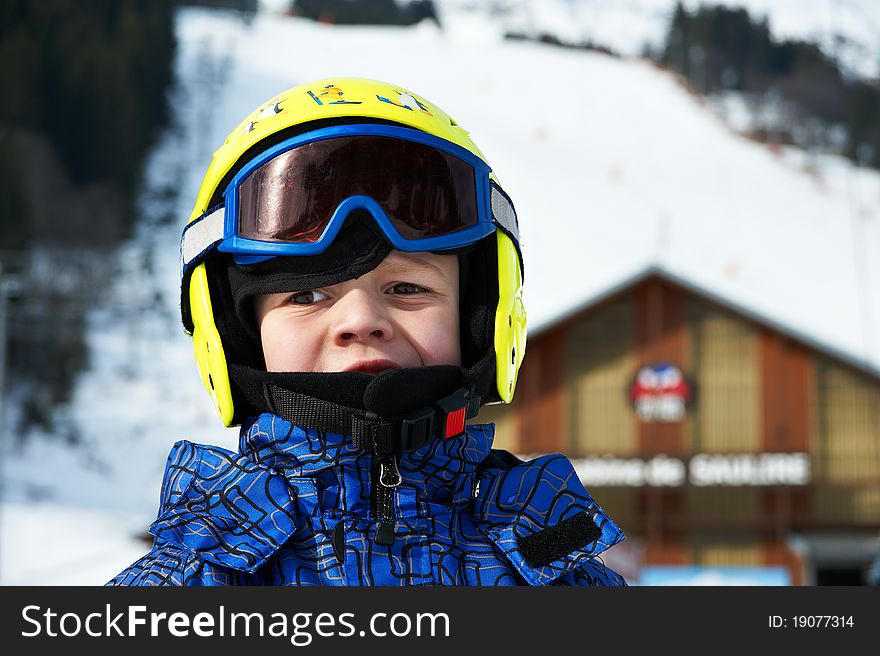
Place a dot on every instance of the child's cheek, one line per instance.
(282, 349)
(437, 337)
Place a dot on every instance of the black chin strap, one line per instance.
(379, 435)
(390, 413)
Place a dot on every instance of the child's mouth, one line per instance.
(373, 366)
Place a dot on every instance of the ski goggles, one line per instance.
(425, 194)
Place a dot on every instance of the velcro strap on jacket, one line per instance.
(554, 542)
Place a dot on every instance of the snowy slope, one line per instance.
(613, 168)
(848, 30)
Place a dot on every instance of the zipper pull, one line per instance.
(389, 475)
(385, 534)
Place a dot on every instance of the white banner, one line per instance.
(702, 469)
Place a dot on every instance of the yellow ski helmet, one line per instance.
(321, 103)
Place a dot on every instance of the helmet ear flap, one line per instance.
(510, 318)
(207, 346)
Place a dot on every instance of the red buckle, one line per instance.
(453, 411)
(455, 422)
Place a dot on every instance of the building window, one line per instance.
(711, 549)
(725, 363)
(601, 362)
(847, 449)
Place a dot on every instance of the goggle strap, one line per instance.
(200, 236)
(503, 212)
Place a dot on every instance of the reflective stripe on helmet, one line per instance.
(503, 212)
(200, 236)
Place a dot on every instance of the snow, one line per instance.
(848, 30)
(51, 544)
(613, 166)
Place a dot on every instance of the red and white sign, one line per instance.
(660, 393)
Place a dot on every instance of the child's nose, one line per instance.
(360, 317)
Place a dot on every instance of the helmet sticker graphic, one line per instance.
(271, 108)
(328, 93)
(406, 101)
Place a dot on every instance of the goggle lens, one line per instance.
(424, 191)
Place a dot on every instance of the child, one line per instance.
(352, 283)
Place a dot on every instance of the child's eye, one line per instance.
(307, 297)
(406, 288)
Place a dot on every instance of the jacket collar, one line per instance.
(293, 451)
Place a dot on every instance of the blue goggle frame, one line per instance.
(218, 228)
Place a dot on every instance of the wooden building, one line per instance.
(711, 435)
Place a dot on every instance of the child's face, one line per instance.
(403, 313)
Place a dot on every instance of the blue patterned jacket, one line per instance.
(297, 507)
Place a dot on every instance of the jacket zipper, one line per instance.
(386, 477)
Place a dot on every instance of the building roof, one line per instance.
(654, 271)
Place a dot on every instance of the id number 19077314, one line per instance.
(810, 622)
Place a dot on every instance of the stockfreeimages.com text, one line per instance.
(300, 628)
